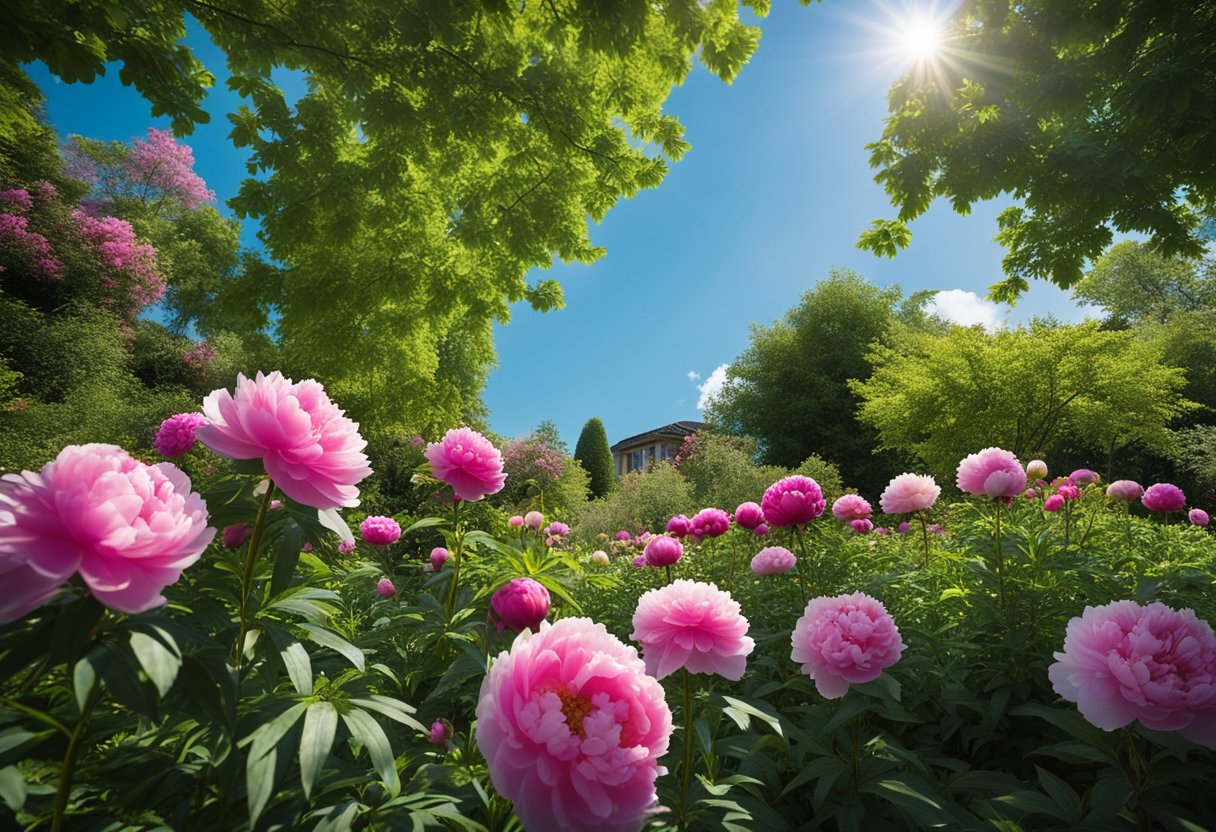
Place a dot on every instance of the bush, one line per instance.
(593, 453)
(642, 501)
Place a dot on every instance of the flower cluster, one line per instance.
(30, 246)
(176, 435)
(128, 260)
(160, 167)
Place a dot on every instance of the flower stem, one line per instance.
(686, 782)
(456, 555)
(1000, 558)
(251, 557)
(69, 762)
(801, 563)
(924, 536)
(855, 743)
(667, 567)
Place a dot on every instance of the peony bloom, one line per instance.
(1036, 469)
(748, 515)
(1069, 492)
(176, 434)
(775, 560)
(572, 729)
(275, 505)
(1030, 494)
(992, 472)
(440, 733)
(851, 507)
(521, 604)
(1163, 497)
(129, 528)
(599, 557)
(1198, 517)
(1053, 503)
(1125, 490)
(904, 527)
(663, 551)
(792, 501)
(516, 521)
(534, 520)
(465, 460)
(346, 547)
(1123, 662)
(862, 526)
(845, 640)
(310, 449)
(235, 535)
(439, 556)
(710, 522)
(640, 561)
(692, 625)
(385, 588)
(761, 530)
(380, 531)
(1082, 476)
(679, 526)
(623, 535)
(882, 530)
(909, 493)
(937, 530)
(556, 529)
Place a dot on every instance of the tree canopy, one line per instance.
(1096, 117)
(593, 453)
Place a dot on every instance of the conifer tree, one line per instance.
(593, 454)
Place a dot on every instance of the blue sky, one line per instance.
(773, 194)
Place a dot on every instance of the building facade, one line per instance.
(645, 450)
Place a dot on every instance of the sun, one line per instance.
(921, 39)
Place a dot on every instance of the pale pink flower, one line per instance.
(792, 501)
(748, 516)
(851, 507)
(572, 729)
(1125, 490)
(1123, 662)
(1069, 492)
(848, 639)
(774, 560)
(909, 493)
(345, 547)
(516, 521)
(663, 551)
(1164, 497)
(439, 556)
(379, 530)
(692, 625)
(521, 604)
(1082, 476)
(534, 520)
(311, 450)
(1036, 469)
(1198, 517)
(129, 529)
(992, 472)
(465, 460)
(599, 557)
(385, 588)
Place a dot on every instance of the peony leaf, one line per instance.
(367, 731)
(320, 725)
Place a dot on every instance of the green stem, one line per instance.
(1000, 558)
(855, 743)
(667, 567)
(924, 536)
(686, 782)
(802, 558)
(456, 555)
(251, 557)
(69, 762)
(1067, 522)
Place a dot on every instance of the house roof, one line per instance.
(676, 430)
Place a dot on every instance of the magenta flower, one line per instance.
(904, 527)
(557, 529)
(749, 515)
(534, 520)
(692, 625)
(465, 460)
(345, 547)
(882, 530)
(992, 472)
(521, 604)
(774, 560)
(909, 493)
(310, 449)
(385, 588)
(235, 535)
(572, 729)
(1053, 503)
(851, 507)
(679, 526)
(1125, 490)
(439, 556)
(1123, 662)
(1198, 517)
(623, 535)
(640, 561)
(1030, 494)
(380, 531)
(710, 522)
(793, 501)
(440, 733)
(1069, 492)
(1163, 497)
(1036, 469)
(845, 640)
(516, 521)
(128, 528)
(761, 530)
(1082, 476)
(862, 526)
(176, 434)
(663, 551)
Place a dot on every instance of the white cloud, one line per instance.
(693, 375)
(711, 386)
(965, 309)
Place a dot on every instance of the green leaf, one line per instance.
(333, 520)
(368, 731)
(286, 554)
(295, 659)
(12, 787)
(394, 709)
(328, 638)
(885, 238)
(158, 654)
(1062, 794)
(84, 679)
(911, 794)
(320, 725)
(739, 705)
(423, 523)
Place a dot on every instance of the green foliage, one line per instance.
(1094, 116)
(593, 453)
(642, 501)
(1135, 284)
(790, 388)
(1025, 389)
(722, 471)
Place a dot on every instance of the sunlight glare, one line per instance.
(922, 39)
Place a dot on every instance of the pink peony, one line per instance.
(623, 535)
(663, 551)
(1163, 497)
(1036, 469)
(439, 556)
(1030, 494)
(679, 526)
(845, 640)
(992, 472)
(862, 526)
(572, 729)
(692, 625)
(749, 515)
(904, 527)
(385, 588)
(176, 434)
(761, 530)
(534, 520)
(1198, 517)
(380, 531)
(710, 522)
(310, 449)
(1069, 492)
(516, 522)
(775, 560)
(346, 547)
(557, 529)
(466, 461)
(440, 733)
(521, 604)
(129, 528)
(882, 530)
(909, 493)
(1053, 503)
(235, 535)
(792, 501)
(600, 558)
(851, 507)
(640, 561)
(1123, 662)
(1082, 476)
(1125, 490)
